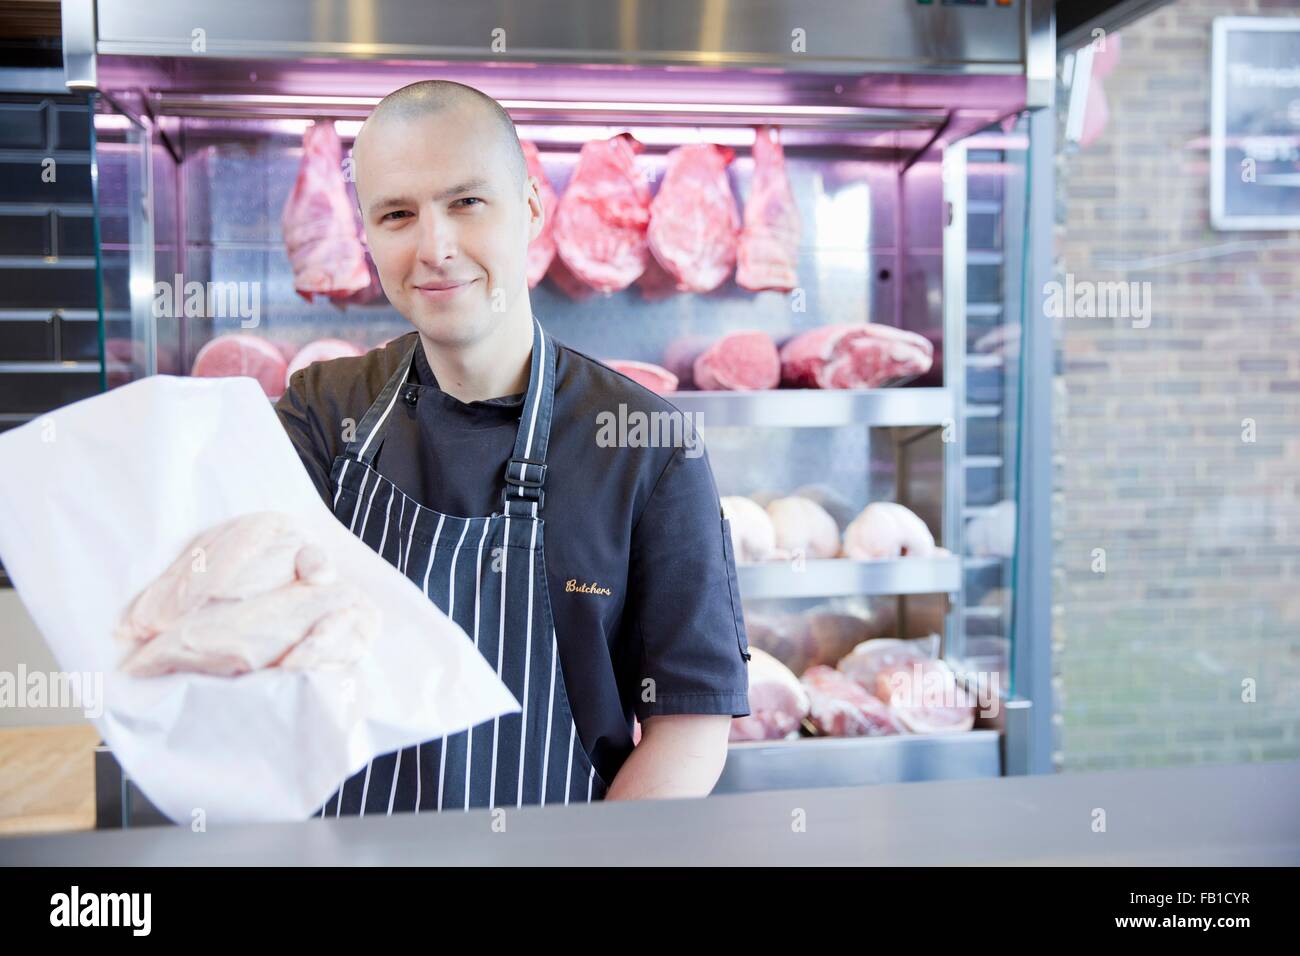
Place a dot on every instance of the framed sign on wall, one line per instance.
(1255, 123)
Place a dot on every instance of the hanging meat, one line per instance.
(600, 226)
(863, 355)
(542, 249)
(694, 223)
(656, 283)
(769, 242)
(320, 223)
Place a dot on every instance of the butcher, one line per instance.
(599, 582)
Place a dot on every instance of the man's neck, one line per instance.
(495, 366)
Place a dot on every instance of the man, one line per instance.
(449, 451)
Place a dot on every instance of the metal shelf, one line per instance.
(818, 408)
(831, 577)
(858, 761)
(51, 367)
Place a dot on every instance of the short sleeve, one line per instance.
(309, 439)
(684, 600)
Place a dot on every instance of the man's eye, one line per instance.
(470, 199)
(396, 212)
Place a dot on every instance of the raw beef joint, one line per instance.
(854, 356)
(600, 225)
(777, 701)
(739, 361)
(320, 222)
(694, 224)
(542, 249)
(240, 354)
(321, 350)
(654, 377)
(840, 707)
(769, 242)
(250, 593)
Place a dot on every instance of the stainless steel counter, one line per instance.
(1233, 815)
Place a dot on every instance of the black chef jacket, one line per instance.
(643, 522)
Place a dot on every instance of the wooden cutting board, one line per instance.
(47, 779)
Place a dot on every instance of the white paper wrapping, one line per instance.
(99, 497)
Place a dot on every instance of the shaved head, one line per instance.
(449, 210)
(429, 97)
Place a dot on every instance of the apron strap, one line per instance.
(526, 470)
(369, 434)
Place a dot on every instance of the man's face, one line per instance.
(447, 227)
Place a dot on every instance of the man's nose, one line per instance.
(437, 238)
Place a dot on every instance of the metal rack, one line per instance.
(895, 92)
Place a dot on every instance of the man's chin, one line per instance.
(451, 328)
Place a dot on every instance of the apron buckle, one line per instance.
(520, 472)
(525, 496)
(524, 478)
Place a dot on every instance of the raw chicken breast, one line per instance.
(250, 593)
(229, 638)
(242, 558)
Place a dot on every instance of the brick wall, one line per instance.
(1200, 529)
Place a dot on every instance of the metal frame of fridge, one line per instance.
(907, 55)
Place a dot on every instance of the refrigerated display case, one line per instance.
(907, 130)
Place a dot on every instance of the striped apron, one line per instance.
(489, 576)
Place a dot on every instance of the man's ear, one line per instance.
(536, 211)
